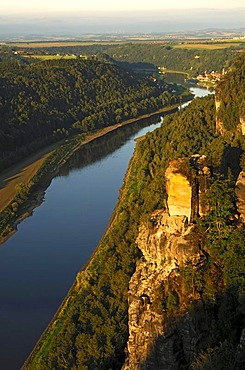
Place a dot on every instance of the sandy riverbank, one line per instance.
(25, 170)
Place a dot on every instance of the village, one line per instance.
(210, 78)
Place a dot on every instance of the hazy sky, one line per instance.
(74, 17)
(31, 6)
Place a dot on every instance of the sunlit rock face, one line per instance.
(242, 122)
(164, 239)
(167, 245)
(240, 193)
(186, 196)
(219, 123)
(179, 192)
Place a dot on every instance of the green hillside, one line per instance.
(231, 94)
(47, 101)
(192, 58)
(90, 330)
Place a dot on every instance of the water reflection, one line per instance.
(39, 263)
(177, 78)
(105, 145)
(181, 79)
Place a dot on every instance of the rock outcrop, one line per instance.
(186, 183)
(242, 122)
(240, 193)
(220, 126)
(167, 246)
(220, 129)
(179, 191)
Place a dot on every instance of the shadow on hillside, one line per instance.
(218, 325)
(146, 68)
(231, 162)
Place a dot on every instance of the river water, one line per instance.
(38, 264)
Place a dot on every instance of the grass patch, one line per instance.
(52, 57)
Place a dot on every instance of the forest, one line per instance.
(44, 102)
(170, 55)
(231, 95)
(90, 330)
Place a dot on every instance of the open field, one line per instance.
(44, 44)
(205, 46)
(48, 57)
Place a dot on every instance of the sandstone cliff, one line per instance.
(220, 129)
(240, 193)
(171, 319)
(220, 126)
(187, 180)
(179, 191)
(155, 340)
(242, 122)
(152, 338)
(230, 100)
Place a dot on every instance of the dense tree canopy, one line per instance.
(231, 94)
(90, 331)
(46, 101)
(191, 60)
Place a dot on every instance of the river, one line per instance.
(38, 264)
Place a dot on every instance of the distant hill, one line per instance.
(47, 101)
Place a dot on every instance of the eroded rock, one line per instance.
(165, 246)
(187, 180)
(242, 122)
(179, 192)
(240, 193)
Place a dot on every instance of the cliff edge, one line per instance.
(167, 246)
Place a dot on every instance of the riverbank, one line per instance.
(26, 171)
(99, 284)
(85, 279)
(81, 282)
